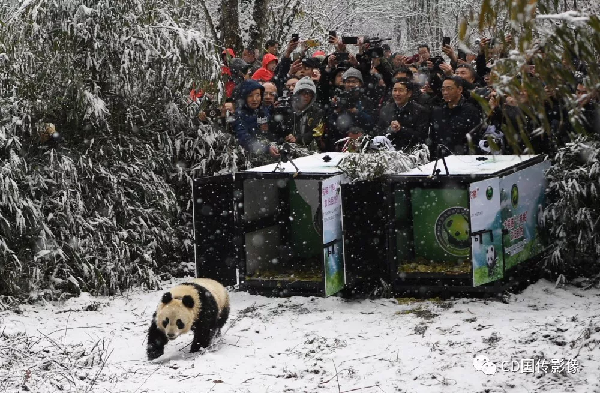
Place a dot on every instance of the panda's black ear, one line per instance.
(188, 301)
(167, 297)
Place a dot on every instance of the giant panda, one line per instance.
(200, 305)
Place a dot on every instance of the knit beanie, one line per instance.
(305, 84)
(352, 73)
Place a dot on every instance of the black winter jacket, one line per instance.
(414, 123)
(301, 124)
(450, 126)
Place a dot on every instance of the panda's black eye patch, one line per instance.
(180, 324)
(165, 322)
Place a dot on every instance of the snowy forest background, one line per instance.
(107, 204)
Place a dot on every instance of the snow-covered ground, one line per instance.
(312, 344)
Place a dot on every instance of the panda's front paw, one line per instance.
(154, 352)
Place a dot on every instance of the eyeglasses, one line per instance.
(448, 88)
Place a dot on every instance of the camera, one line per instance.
(341, 56)
(349, 40)
(375, 50)
(345, 100)
(437, 61)
(284, 103)
(295, 37)
(212, 112)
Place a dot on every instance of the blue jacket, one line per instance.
(246, 125)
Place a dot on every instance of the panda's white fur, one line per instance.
(200, 305)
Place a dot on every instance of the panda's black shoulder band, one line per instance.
(209, 308)
(206, 296)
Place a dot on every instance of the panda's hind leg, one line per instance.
(223, 318)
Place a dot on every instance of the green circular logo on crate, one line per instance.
(452, 231)
(514, 195)
(489, 193)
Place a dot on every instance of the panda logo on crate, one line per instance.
(491, 258)
(200, 305)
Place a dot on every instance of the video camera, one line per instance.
(345, 100)
(375, 49)
(283, 105)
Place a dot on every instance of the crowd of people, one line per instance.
(324, 101)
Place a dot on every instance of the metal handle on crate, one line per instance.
(480, 234)
(330, 246)
(436, 171)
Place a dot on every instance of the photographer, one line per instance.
(251, 122)
(422, 57)
(221, 117)
(295, 121)
(398, 61)
(240, 71)
(250, 56)
(347, 109)
(434, 73)
(286, 69)
(372, 62)
(405, 121)
(290, 84)
(331, 77)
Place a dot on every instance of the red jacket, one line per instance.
(227, 54)
(263, 72)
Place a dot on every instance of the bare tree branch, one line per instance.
(209, 21)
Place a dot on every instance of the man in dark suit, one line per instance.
(455, 123)
(404, 121)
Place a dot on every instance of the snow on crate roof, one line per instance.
(470, 165)
(310, 164)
